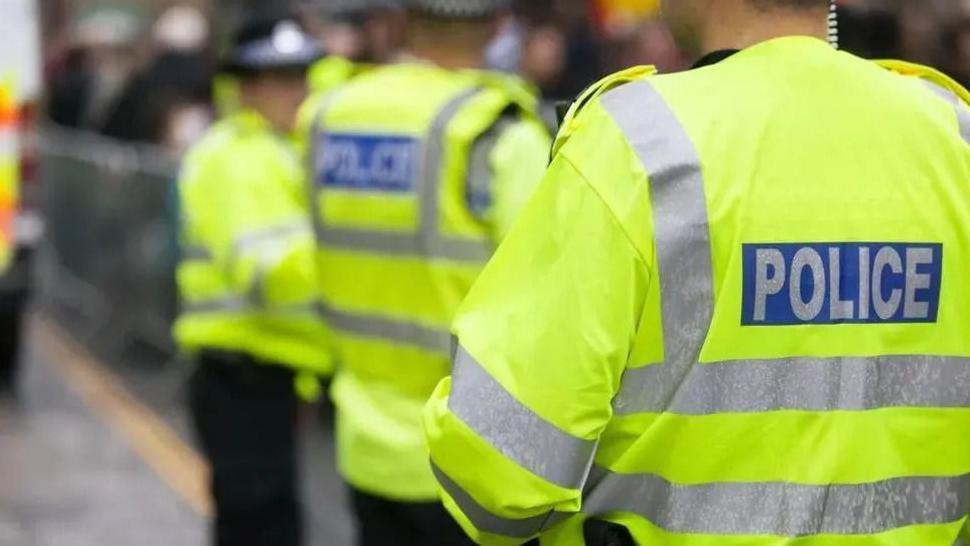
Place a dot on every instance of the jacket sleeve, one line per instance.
(518, 160)
(543, 340)
(249, 213)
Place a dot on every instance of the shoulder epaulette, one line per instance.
(929, 74)
(569, 122)
(518, 91)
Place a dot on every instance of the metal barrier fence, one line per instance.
(111, 241)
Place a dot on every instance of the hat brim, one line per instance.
(236, 67)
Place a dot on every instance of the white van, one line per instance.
(21, 51)
(21, 58)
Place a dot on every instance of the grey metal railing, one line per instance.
(110, 248)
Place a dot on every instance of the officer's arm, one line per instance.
(252, 221)
(281, 244)
(517, 162)
(543, 341)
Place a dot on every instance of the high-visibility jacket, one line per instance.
(9, 170)
(247, 278)
(418, 172)
(735, 313)
(323, 78)
(330, 72)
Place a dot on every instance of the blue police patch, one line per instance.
(836, 283)
(380, 163)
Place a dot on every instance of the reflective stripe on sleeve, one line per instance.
(239, 304)
(396, 331)
(276, 234)
(809, 384)
(783, 509)
(195, 253)
(485, 521)
(230, 304)
(516, 431)
(681, 230)
(962, 110)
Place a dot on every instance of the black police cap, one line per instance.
(271, 44)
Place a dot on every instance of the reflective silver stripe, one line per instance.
(461, 250)
(195, 253)
(269, 244)
(229, 304)
(236, 304)
(482, 519)
(250, 239)
(516, 431)
(783, 509)
(431, 172)
(428, 241)
(680, 230)
(313, 158)
(395, 244)
(272, 234)
(962, 110)
(405, 244)
(407, 333)
(810, 384)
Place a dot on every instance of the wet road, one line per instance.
(96, 456)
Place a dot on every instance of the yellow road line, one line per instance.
(174, 461)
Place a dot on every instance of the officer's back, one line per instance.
(768, 342)
(816, 163)
(418, 171)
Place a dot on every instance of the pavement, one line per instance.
(101, 455)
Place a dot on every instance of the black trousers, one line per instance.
(245, 417)
(382, 522)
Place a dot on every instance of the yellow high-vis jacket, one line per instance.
(418, 172)
(247, 279)
(735, 313)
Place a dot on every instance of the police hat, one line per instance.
(272, 44)
(460, 9)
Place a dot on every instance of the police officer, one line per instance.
(735, 311)
(247, 283)
(418, 169)
(358, 35)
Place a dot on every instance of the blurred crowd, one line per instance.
(931, 32)
(105, 77)
(113, 72)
